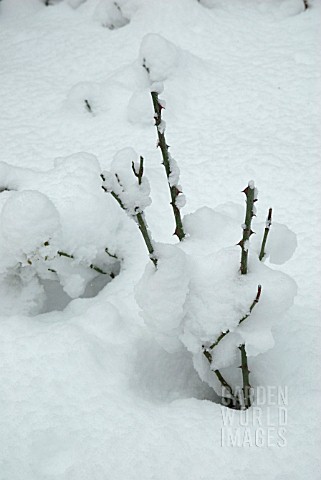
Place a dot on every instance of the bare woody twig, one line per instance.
(250, 192)
(140, 172)
(227, 401)
(139, 217)
(92, 266)
(245, 371)
(245, 376)
(255, 301)
(162, 144)
(110, 254)
(247, 232)
(88, 106)
(174, 190)
(266, 233)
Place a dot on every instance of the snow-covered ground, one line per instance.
(98, 374)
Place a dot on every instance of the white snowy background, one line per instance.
(97, 381)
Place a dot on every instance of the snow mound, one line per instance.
(219, 226)
(59, 225)
(281, 10)
(140, 109)
(159, 56)
(28, 220)
(289, 8)
(281, 243)
(197, 292)
(110, 14)
(161, 293)
(75, 3)
(210, 3)
(122, 180)
(86, 97)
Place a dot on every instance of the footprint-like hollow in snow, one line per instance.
(150, 374)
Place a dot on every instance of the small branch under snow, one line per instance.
(88, 106)
(92, 266)
(208, 353)
(64, 254)
(110, 254)
(255, 302)
(229, 402)
(138, 216)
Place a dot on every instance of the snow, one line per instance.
(175, 172)
(74, 187)
(158, 56)
(288, 8)
(28, 220)
(280, 245)
(163, 304)
(85, 97)
(43, 213)
(87, 389)
(140, 109)
(76, 3)
(123, 181)
(109, 14)
(180, 201)
(213, 297)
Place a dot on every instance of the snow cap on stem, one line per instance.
(159, 57)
